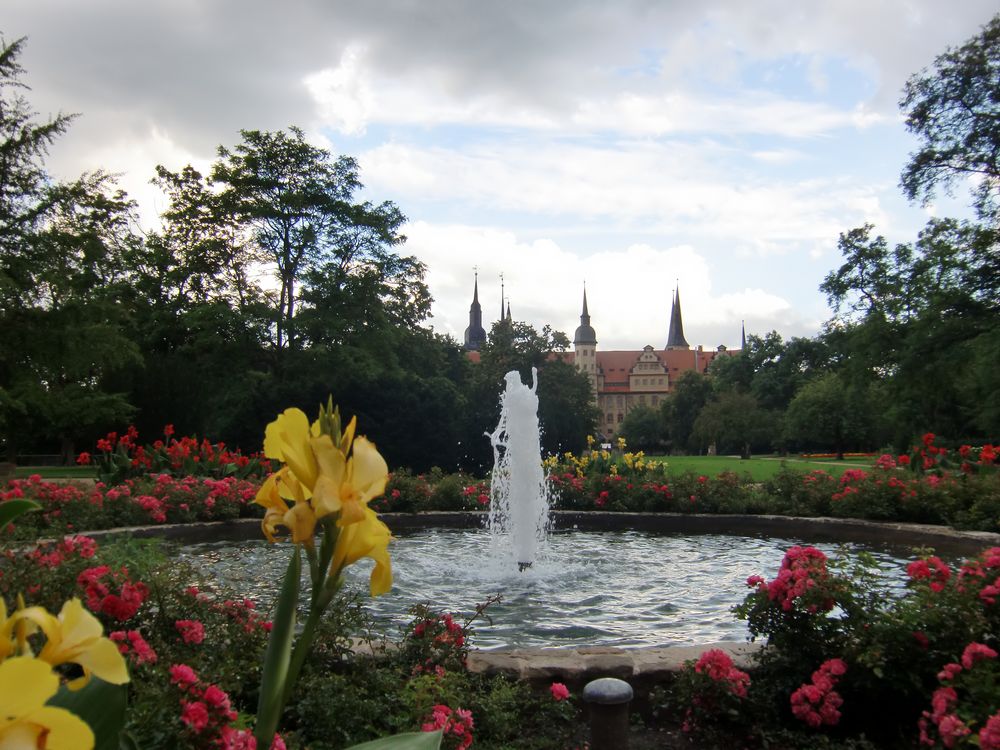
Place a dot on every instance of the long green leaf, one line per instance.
(408, 741)
(101, 705)
(11, 509)
(279, 652)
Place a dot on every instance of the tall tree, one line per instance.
(297, 203)
(681, 408)
(954, 109)
(26, 194)
(61, 247)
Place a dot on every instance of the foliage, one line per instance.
(643, 428)
(734, 423)
(952, 110)
(874, 653)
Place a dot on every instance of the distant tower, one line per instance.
(475, 334)
(675, 337)
(585, 346)
(509, 318)
(743, 335)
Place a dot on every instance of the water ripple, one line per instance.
(589, 588)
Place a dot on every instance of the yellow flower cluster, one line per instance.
(28, 681)
(327, 473)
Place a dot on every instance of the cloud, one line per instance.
(628, 288)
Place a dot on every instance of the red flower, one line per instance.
(183, 676)
(194, 714)
(191, 631)
(83, 459)
(559, 691)
(976, 652)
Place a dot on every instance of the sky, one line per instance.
(632, 146)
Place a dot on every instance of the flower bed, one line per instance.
(69, 507)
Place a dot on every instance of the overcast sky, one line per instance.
(629, 144)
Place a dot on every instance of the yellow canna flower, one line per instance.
(332, 481)
(25, 721)
(347, 485)
(76, 636)
(299, 519)
(368, 537)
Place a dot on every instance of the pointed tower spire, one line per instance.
(585, 333)
(743, 335)
(509, 319)
(475, 334)
(501, 297)
(675, 335)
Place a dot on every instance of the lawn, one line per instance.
(760, 468)
(56, 472)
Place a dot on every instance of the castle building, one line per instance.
(625, 379)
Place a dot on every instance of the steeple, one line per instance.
(509, 319)
(585, 333)
(502, 316)
(743, 336)
(475, 334)
(675, 336)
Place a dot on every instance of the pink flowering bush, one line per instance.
(965, 708)
(435, 641)
(154, 499)
(817, 703)
(710, 693)
(455, 724)
(884, 653)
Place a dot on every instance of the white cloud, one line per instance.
(629, 289)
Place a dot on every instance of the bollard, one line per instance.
(608, 699)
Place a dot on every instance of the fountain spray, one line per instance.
(519, 506)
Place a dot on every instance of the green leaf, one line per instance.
(279, 653)
(408, 741)
(11, 509)
(101, 705)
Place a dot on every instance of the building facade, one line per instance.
(625, 379)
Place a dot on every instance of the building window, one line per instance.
(620, 418)
(609, 418)
(656, 400)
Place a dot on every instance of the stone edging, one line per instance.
(642, 668)
(821, 529)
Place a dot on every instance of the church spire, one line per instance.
(585, 333)
(675, 335)
(475, 334)
(743, 335)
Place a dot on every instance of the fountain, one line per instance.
(519, 507)
(607, 588)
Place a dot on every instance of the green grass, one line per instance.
(55, 472)
(760, 468)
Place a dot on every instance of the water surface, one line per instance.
(624, 588)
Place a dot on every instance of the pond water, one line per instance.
(627, 588)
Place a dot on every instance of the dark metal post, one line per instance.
(608, 699)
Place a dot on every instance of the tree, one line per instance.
(911, 315)
(296, 203)
(26, 191)
(735, 422)
(691, 392)
(61, 250)
(955, 110)
(829, 414)
(643, 429)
